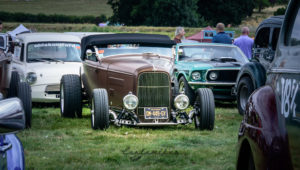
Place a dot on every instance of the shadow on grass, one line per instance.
(225, 104)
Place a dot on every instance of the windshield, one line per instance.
(211, 53)
(53, 51)
(116, 49)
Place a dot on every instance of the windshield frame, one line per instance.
(37, 42)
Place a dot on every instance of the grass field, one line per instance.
(60, 143)
(66, 7)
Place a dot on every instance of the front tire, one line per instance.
(70, 96)
(13, 85)
(24, 94)
(184, 86)
(245, 88)
(205, 109)
(100, 109)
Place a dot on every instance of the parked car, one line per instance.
(12, 119)
(269, 135)
(128, 79)
(208, 65)
(10, 84)
(42, 58)
(253, 74)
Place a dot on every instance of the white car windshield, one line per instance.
(117, 49)
(53, 51)
(211, 53)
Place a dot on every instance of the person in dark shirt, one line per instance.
(179, 34)
(221, 36)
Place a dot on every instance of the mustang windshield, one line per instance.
(116, 49)
(212, 53)
(53, 51)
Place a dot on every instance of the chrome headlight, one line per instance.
(181, 102)
(196, 75)
(130, 101)
(213, 75)
(31, 77)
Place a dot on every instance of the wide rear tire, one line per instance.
(24, 94)
(184, 86)
(100, 109)
(205, 109)
(244, 90)
(70, 96)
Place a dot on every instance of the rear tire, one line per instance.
(13, 85)
(245, 88)
(70, 96)
(24, 94)
(100, 109)
(205, 109)
(184, 86)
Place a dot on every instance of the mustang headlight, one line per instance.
(181, 102)
(31, 77)
(213, 75)
(196, 75)
(130, 101)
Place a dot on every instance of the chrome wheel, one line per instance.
(62, 98)
(93, 113)
(243, 96)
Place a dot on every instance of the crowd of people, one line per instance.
(244, 42)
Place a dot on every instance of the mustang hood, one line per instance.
(51, 72)
(136, 64)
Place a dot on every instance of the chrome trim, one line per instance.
(213, 84)
(156, 124)
(290, 71)
(113, 114)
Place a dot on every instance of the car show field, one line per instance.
(63, 143)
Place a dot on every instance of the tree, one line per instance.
(261, 4)
(226, 11)
(156, 12)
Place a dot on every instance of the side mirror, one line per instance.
(89, 52)
(12, 117)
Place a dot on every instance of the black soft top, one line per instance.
(273, 21)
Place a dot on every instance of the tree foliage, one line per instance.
(191, 13)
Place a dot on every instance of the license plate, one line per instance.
(156, 113)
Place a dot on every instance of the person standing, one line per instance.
(221, 36)
(245, 43)
(179, 34)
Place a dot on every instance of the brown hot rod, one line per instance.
(128, 79)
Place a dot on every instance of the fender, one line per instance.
(261, 127)
(255, 71)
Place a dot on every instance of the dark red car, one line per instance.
(269, 135)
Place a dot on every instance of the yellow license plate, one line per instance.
(156, 113)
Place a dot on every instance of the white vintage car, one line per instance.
(42, 58)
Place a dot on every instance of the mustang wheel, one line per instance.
(14, 81)
(24, 94)
(184, 86)
(245, 88)
(205, 107)
(70, 96)
(100, 110)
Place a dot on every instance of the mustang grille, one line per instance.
(153, 90)
(52, 89)
(223, 75)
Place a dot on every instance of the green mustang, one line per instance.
(208, 65)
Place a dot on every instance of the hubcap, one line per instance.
(93, 113)
(244, 96)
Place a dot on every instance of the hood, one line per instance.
(51, 72)
(136, 64)
(193, 65)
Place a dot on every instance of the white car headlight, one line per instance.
(130, 101)
(196, 75)
(213, 76)
(181, 102)
(31, 77)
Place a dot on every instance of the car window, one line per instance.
(53, 51)
(294, 40)
(210, 53)
(262, 38)
(275, 36)
(117, 49)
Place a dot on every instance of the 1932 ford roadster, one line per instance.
(128, 79)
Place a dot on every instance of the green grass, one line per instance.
(60, 143)
(66, 7)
